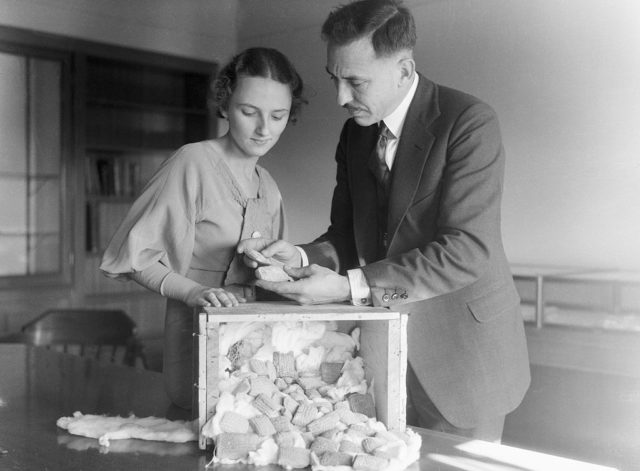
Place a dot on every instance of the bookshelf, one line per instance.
(136, 114)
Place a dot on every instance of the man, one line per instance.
(415, 225)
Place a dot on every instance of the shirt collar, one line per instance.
(395, 121)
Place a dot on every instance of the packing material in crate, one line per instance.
(382, 346)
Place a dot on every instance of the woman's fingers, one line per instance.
(211, 298)
(220, 298)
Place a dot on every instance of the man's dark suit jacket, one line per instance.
(445, 263)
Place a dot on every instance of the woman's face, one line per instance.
(258, 113)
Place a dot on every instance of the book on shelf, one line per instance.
(112, 176)
(103, 219)
(91, 229)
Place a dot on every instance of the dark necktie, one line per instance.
(381, 170)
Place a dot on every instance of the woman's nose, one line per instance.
(262, 127)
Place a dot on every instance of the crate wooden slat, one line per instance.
(383, 341)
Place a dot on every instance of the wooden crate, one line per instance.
(383, 342)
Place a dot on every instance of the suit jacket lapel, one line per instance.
(412, 153)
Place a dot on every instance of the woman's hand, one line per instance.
(217, 297)
(280, 251)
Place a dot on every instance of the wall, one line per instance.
(200, 29)
(563, 77)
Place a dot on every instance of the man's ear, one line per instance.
(407, 68)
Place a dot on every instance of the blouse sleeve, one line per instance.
(160, 226)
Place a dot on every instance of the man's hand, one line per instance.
(280, 250)
(313, 285)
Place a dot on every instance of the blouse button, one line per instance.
(385, 298)
(394, 296)
(255, 234)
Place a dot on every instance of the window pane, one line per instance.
(30, 165)
(44, 103)
(13, 251)
(44, 202)
(13, 217)
(45, 253)
(13, 114)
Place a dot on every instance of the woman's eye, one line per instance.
(277, 117)
(248, 112)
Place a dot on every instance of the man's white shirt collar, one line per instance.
(395, 121)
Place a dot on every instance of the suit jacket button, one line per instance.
(394, 296)
(404, 295)
(364, 300)
(385, 298)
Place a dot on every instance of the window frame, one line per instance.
(35, 48)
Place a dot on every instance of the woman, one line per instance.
(179, 236)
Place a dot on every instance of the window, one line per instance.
(34, 224)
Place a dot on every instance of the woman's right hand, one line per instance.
(280, 250)
(216, 297)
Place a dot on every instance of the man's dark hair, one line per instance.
(258, 62)
(388, 22)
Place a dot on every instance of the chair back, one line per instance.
(105, 334)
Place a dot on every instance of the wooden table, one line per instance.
(38, 386)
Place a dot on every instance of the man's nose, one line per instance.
(344, 94)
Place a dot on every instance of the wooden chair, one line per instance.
(103, 334)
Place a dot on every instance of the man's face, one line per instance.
(368, 87)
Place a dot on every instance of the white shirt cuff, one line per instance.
(303, 256)
(360, 290)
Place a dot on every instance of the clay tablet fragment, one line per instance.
(363, 404)
(272, 273)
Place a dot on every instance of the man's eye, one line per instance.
(357, 83)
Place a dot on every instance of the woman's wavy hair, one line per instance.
(258, 62)
(389, 24)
